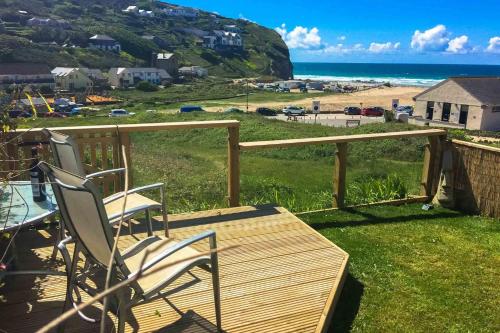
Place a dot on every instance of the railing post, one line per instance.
(233, 165)
(124, 140)
(339, 176)
(430, 171)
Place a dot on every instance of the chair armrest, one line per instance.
(105, 172)
(132, 191)
(128, 212)
(175, 248)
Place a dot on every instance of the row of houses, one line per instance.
(82, 78)
(140, 12)
(48, 22)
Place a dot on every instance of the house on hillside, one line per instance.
(221, 40)
(166, 61)
(33, 74)
(123, 77)
(105, 43)
(74, 78)
(464, 102)
(48, 22)
(131, 9)
(181, 11)
(193, 71)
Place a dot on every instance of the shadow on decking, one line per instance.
(190, 322)
(347, 306)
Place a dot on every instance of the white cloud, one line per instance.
(459, 45)
(383, 47)
(342, 38)
(434, 39)
(340, 49)
(494, 45)
(300, 37)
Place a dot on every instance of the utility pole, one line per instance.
(247, 95)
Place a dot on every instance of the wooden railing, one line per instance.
(100, 150)
(431, 156)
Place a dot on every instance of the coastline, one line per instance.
(395, 81)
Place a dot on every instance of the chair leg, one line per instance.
(164, 211)
(148, 221)
(216, 282)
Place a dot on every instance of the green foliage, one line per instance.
(146, 86)
(369, 189)
(414, 271)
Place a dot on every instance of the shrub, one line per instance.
(374, 189)
(146, 86)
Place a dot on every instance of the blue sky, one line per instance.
(392, 31)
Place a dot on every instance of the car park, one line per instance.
(120, 113)
(292, 110)
(266, 112)
(352, 110)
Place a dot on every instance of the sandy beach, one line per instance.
(381, 96)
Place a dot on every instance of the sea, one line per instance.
(423, 75)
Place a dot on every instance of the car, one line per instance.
(266, 112)
(372, 112)
(292, 110)
(233, 110)
(352, 110)
(19, 114)
(303, 90)
(284, 90)
(406, 109)
(120, 113)
(191, 108)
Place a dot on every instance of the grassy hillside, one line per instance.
(193, 163)
(264, 52)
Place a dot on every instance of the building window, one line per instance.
(496, 108)
(445, 116)
(464, 113)
(429, 112)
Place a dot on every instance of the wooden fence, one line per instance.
(476, 180)
(100, 150)
(430, 170)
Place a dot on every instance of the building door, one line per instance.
(446, 112)
(464, 112)
(429, 113)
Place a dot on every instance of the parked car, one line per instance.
(19, 114)
(372, 112)
(292, 110)
(233, 110)
(406, 109)
(303, 90)
(266, 111)
(283, 90)
(120, 113)
(191, 108)
(352, 110)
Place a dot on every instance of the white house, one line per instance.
(223, 40)
(105, 43)
(145, 13)
(131, 9)
(181, 11)
(123, 77)
(71, 78)
(193, 71)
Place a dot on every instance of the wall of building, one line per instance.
(476, 178)
(490, 120)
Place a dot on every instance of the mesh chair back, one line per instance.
(65, 151)
(83, 212)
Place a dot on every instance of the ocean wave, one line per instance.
(400, 81)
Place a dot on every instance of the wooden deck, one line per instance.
(283, 277)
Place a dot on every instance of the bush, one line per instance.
(374, 189)
(146, 86)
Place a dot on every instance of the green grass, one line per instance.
(415, 271)
(193, 163)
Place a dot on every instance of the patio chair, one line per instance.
(83, 210)
(67, 156)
